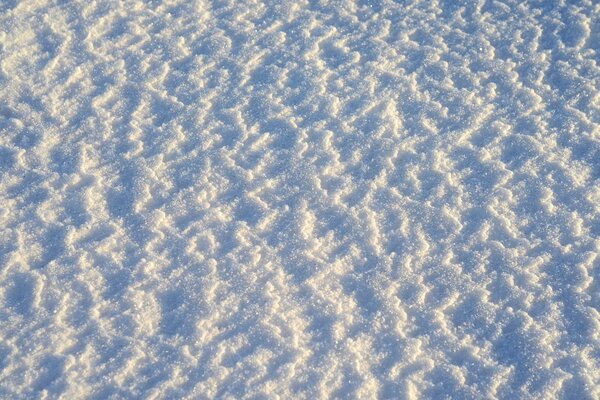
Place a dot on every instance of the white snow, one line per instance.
(299, 199)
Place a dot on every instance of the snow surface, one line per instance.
(299, 199)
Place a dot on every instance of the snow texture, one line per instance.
(299, 199)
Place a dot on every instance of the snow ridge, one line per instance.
(299, 199)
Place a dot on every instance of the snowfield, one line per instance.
(312, 199)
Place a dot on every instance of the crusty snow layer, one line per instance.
(299, 199)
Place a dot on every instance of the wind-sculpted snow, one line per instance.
(299, 199)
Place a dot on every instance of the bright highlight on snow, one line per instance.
(312, 199)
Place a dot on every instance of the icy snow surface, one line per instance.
(299, 199)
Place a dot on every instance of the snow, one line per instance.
(299, 199)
